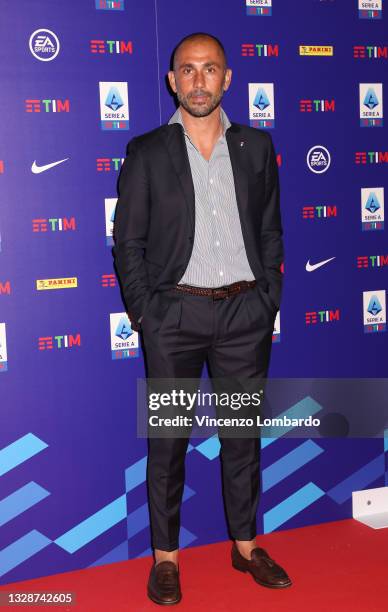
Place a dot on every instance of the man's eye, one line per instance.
(211, 69)
(186, 70)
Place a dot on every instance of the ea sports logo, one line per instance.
(44, 45)
(318, 159)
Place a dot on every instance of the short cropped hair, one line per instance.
(195, 36)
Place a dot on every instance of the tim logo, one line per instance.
(108, 280)
(319, 212)
(111, 46)
(5, 288)
(261, 105)
(47, 106)
(371, 105)
(110, 209)
(107, 164)
(375, 315)
(318, 159)
(370, 52)
(317, 106)
(124, 341)
(44, 45)
(110, 5)
(114, 106)
(372, 261)
(370, 10)
(59, 342)
(371, 157)
(372, 208)
(3, 349)
(259, 50)
(54, 225)
(322, 316)
(259, 8)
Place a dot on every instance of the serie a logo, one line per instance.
(114, 108)
(124, 341)
(371, 104)
(375, 314)
(372, 208)
(259, 8)
(368, 9)
(261, 105)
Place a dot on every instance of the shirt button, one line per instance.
(214, 211)
(217, 243)
(211, 181)
(221, 273)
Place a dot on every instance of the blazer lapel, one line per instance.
(174, 140)
(237, 152)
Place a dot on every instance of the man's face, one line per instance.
(200, 76)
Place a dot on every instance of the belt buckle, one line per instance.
(218, 291)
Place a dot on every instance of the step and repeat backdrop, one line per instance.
(79, 80)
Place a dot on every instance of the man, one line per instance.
(198, 251)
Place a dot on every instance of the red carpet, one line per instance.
(340, 566)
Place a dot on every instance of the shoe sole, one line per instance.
(264, 584)
(163, 603)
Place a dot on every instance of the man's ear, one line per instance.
(171, 80)
(227, 79)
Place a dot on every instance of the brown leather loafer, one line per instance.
(163, 584)
(263, 569)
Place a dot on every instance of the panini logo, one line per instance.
(318, 106)
(56, 283)
(54, 224)
(106, 164)
(111, 46)
(370, 52)
(319, 212)
(47, 106)
(322, 316)
(371, 157)
(315, 50)
(1, 166)
(259, 50)
(5, 288)
(59, 342)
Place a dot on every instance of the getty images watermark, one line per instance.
(235, 407)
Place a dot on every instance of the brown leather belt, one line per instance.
(217, 293)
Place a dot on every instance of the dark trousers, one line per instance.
(180, 332)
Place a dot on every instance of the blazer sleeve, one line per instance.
(272, 249)
(130, 233)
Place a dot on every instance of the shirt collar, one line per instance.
(177, 118)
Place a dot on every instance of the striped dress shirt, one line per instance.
(218, 257)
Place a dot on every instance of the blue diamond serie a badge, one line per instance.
(259, 8)
(114, 106)
(261, 105)
(368, 9)
(124, 340)
(375, 316)
(372, 208)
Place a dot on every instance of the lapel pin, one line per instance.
(242, 143)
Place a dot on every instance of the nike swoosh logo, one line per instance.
(311, 267)
(38, 169)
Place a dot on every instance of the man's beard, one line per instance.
(202, 110)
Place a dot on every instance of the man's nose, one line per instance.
(199, 80)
